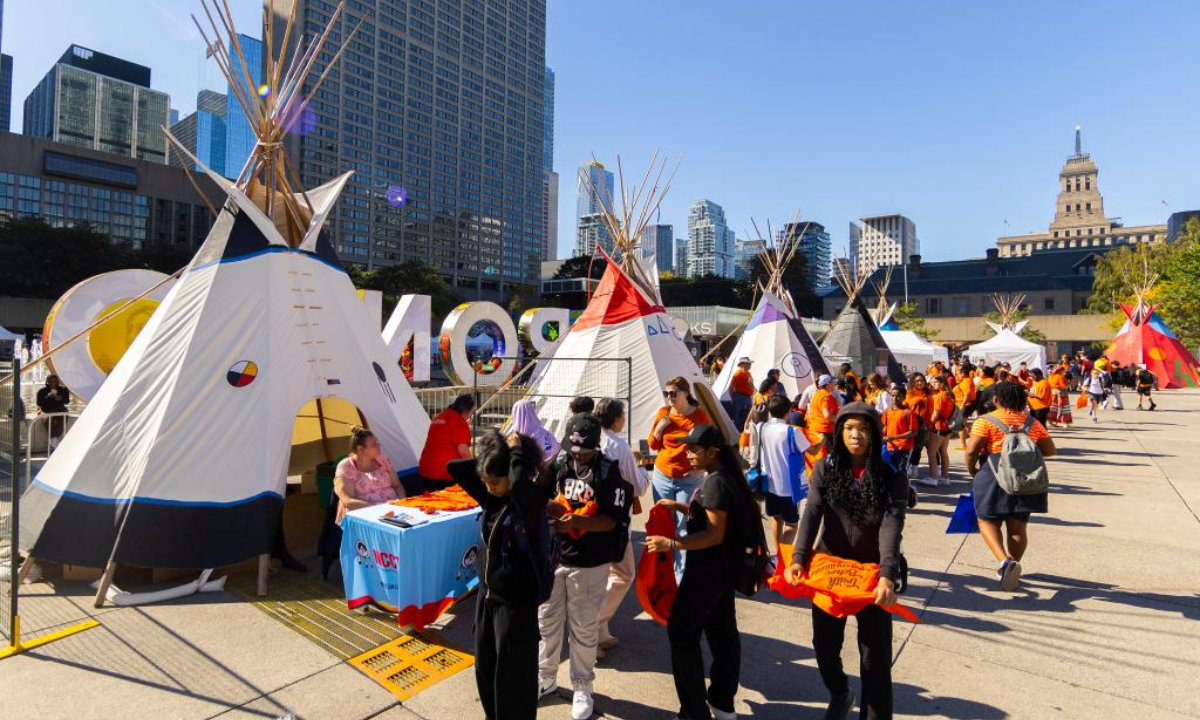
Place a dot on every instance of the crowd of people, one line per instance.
(833, 470)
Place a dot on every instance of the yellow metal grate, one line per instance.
(410, 664)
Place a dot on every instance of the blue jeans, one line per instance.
(742, 405)
(679, 490)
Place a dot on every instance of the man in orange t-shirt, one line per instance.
(741, 392)
(449, 439)
(1040, 395)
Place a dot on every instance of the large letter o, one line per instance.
(452, 345)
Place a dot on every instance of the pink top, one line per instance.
(373, 487)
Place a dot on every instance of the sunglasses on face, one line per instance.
(670, 394)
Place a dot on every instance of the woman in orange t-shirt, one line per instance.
(822, 412)
(964, 397)
(994, 507)
(899, 428)
(1040, 395)
(674, 477)
(941, 407)
(1059, 414)
(917, 399)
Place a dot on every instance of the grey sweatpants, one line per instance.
(574, 603)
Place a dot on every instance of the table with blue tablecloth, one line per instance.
(415, 572)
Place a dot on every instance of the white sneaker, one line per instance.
(721, 714)
(926, 481)
(582, 705)
(944, 482)
(547, 688)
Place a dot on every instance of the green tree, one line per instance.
(906, 317)
(411, 277)
(577, 267)
(1178, 292)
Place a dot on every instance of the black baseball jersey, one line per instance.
(613, 496)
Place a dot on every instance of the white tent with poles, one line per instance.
(774, 337)
(913, 352)
(1007, 345)
(181, 459)
(624, 319)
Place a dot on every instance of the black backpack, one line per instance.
(542, 550)
(750, 553)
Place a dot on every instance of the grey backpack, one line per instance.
(1019, 468)
(956, 421)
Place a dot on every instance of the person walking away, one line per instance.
(998, 510)
(1060, 405)
(964, 398)
(704, 604)
(674, 477)
(590, 542)
(1093, 385)
(1040, 396)
(515, 551)
(613, 445)
(857, 504)
(778, 388)
(782, 458)
(741, 392)
(916, 398)
(822, 411)
(1145, 386)
(53, 398)
(1117, 379)
(941, 407)
(449, 439)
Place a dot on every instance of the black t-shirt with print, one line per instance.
(613, 496)
(716, 492)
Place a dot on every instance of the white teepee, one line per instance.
(181, 458)
(623, 319)
(775, 338)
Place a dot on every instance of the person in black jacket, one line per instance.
(859, 501)
(53, 399)
(503, 479)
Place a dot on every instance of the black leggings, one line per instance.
(704, 605)
(506, 659)
(875, 657)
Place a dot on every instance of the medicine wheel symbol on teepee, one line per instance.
(796, 365)
(383, 382)
(242, 374)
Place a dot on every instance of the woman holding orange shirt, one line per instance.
(674, 477)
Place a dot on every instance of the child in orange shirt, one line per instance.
(899, 431)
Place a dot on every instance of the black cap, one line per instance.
(705, 436)
(583, 433)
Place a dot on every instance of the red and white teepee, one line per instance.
(624, 319)
(1146, 340)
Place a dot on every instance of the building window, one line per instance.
(962, 306)
(1087, 185)
(933, 306)
(1089, 207)
(1048, 304)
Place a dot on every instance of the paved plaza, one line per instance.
(1104, 624)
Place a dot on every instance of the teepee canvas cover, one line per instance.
(854, 335)
(1145, 339)
(181, 458)
(775, 339)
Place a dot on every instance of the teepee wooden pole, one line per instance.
(105, 581)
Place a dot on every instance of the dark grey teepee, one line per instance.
(855, 338)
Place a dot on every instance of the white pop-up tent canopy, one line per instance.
(181, 458)
(1008, 345)
(912, 351)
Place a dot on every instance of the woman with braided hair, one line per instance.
(857, 502)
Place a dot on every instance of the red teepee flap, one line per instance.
(616, 300)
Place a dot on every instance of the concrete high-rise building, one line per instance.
(239, 138)
(816, 247)
(437, 105)
(98, 101)
(710, 241)
(882, 240)
(745, 254)
(1079, 219)
(587, 202)
(681, 257)
(550, 249)
(662, 239)
(591, 232)
(203, 134)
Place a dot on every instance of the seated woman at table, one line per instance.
(366, 477)
(504, 479)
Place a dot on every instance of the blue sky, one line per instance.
(957, 114)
